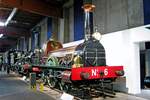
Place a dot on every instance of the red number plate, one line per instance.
(94, 72)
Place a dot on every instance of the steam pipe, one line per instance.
(88, 8)
(87, 27)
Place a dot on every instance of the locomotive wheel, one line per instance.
(51, 82)
(66, 88)
(60, 86)
(43, 77)
(45, 80)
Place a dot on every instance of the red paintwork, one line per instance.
(36, 69)
(95, 72)
(26, 66)
(51, 46)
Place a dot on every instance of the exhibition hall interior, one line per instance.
(75, 49)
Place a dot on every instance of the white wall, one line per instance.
(122, 48)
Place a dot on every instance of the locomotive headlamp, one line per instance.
(97, 35)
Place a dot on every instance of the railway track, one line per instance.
(79, 94)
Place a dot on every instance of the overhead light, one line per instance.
(1, 35)
(2, 24)
(9, 18)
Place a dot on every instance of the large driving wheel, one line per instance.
(51, 82)
(66, 88)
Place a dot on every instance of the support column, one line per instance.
(55, 27)
(43, 34)
(135, 13)
(29, 44)
(71, 22)
(61, 30)
(66, 25)
(134, 81)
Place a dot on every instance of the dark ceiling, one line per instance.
(28, 14)
(56, 2)
(25, 20)
(4, 12)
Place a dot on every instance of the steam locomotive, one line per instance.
(81, 66)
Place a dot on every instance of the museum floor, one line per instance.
(12, 88)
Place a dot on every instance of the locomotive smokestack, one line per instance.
(88, 8)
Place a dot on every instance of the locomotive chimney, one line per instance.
(88, 8)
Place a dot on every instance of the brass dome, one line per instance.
(52, 45)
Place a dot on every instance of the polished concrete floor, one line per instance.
(145, 93)
(12, 88)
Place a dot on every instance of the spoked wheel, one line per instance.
(60, 85)
(66, 88)
(44, 79)
(51, 82)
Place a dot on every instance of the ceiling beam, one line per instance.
(14, 32)
(35, 6)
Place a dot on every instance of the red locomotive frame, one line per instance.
(98, 72)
